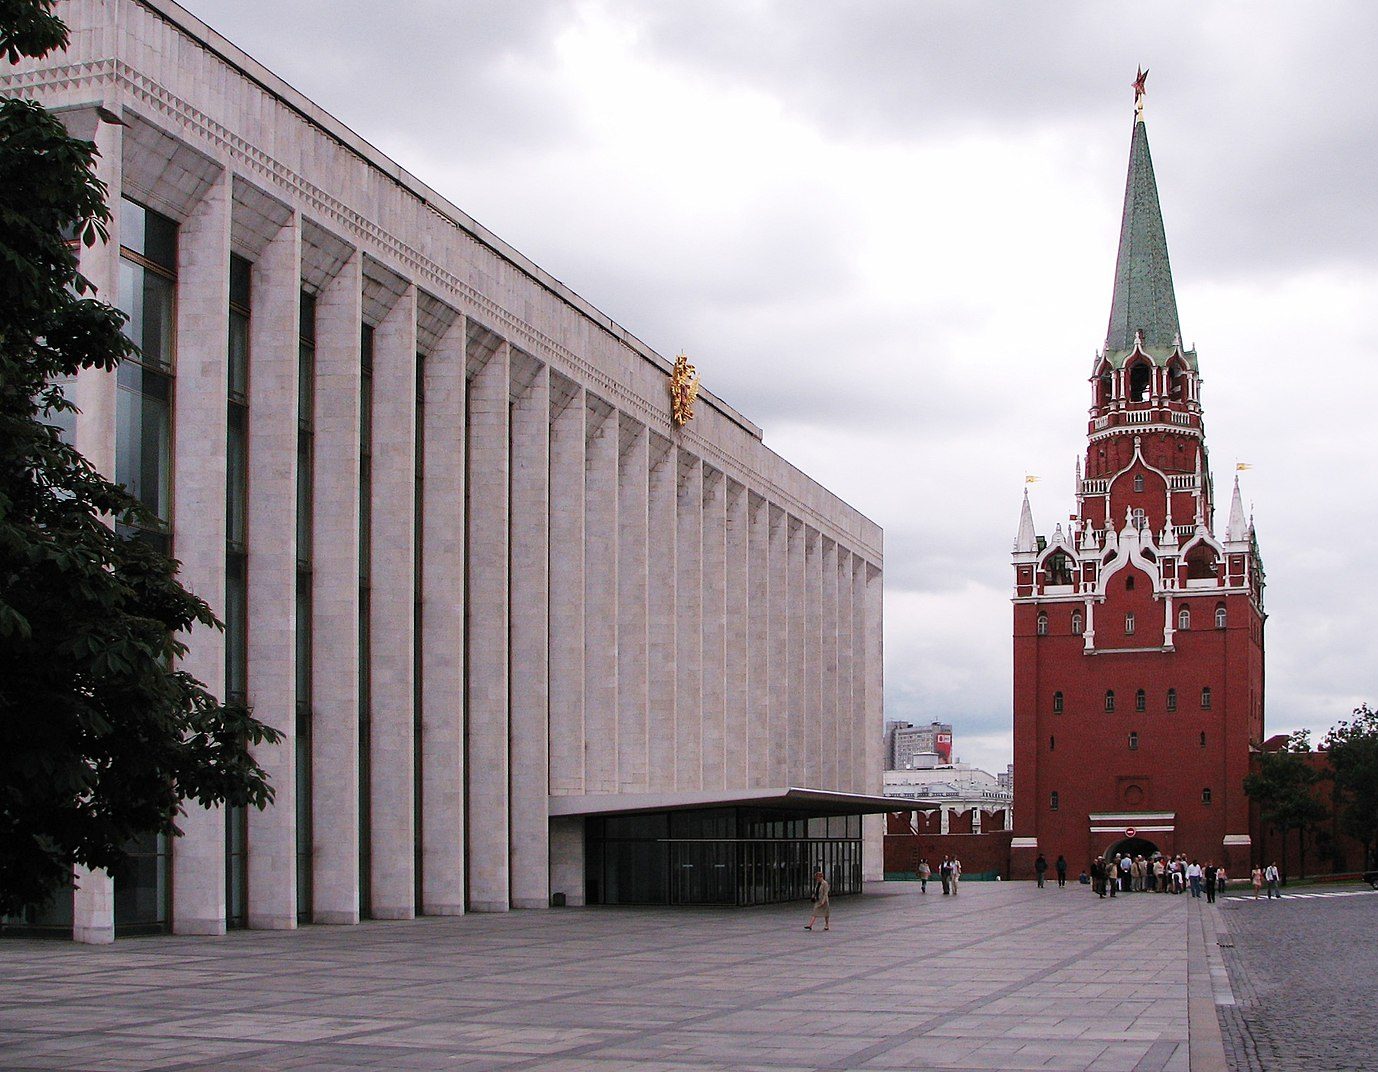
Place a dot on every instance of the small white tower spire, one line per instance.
(1027, 540)
(1239, 527)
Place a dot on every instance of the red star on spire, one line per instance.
(1139, 81)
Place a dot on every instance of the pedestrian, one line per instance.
(1084, 879)
(1112, 876)
(1272, 876)
(1061, 868)
(1210, 880)
(1194, 878)
(821, 906)
(1140, 874)
(1256, 877)
(956, 874)
(945, 873)
(1160, 875)
(1040, 869)
(1126, 866)
(924, 872)
(1220, 880)
(1098, 877)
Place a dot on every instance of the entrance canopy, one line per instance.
(791, 799)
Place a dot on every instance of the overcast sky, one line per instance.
(886, 233)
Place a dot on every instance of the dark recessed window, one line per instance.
(1205, 796)
(1057, 703)
(1172, 699)
(1133, 741)
(1052, 743)
(1129, 624)
(1203, 738)
(1129, 583)
(1206, 697)
(1139, 482)
(1052, 801)
(1110, 699)
(1141, 701)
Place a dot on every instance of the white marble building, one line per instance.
(470, 568)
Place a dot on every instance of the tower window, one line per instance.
(1203, 738)
(1042, 625)
(1057, 569)
(1140, 519)
(1184, 618)
(1133, 742)
(1129, 583)
(1206, 697)
(1220, 616)
(1205, 796)
(1129, 624)
(1057, 703)
(1076, 623)
(1140, 701)
(1139, 377)
(1110, 699)
(1052, 743)
(1138, 482)
(1172, 699)
(1052, 801)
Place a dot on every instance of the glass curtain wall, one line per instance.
(365, 597)
(236, 571)
(143, 464)
(306, 372)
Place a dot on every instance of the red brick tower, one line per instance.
(1138, 634)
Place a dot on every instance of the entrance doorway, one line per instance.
(1132, 846)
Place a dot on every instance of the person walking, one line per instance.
(924, 872)
(1194, 878)
(1160, 875)
(945, 873)
(1061, 868)
(1112, 876)
(1040, 869)
(1209, 876)
(956, 874)
(1098, 877)
(1256, 877)
(821, 905)
(1272, 876)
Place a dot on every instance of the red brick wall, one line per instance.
(979, 853)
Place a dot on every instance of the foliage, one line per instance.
(1283, 785)
(101, 737)
(1352, 748)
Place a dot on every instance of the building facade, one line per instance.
(1138, 633)
(904, 741)
(501, 606)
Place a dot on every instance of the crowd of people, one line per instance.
(1125, 873)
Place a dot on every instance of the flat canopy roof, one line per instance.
(790, 798)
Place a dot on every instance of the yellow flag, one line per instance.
(1239, 467)
(1029, 478)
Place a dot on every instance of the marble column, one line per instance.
(392, 616)
(568, 430)
(600, 599)
(633, 696)
(799, 620)
(661, 571)
(759, 707)
(873, 826)
(275, 298)
(860, 722)
(200, 393)
(689, 624)
(335, 600)
(779, 666)
(714, 595)
(828, 713)
(529, 563)
(813, 658)
(442, 627)
(736, 597)
(567, 858)
(487, 584)
(846, 705)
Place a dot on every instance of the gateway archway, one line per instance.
(1133, 846)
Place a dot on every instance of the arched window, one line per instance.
(1042, 625)
(1076, 623)
(1184, 618)
(1201, 563)
(1172, 699)
(1220, 616)
(1133, 742)
(1206, 697)
(1140, 519)
(1057, 568)
(1052, 801)
(1205, 796)
(1141, 701)
(1129, 583)
(1139, 378)
(1057, 703)
(1129, 624)
(1138, 482)
(1110, 699)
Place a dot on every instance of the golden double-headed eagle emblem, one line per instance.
(684, 388)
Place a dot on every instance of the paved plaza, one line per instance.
(1002, 976)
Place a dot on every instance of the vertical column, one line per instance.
(661, 570)
(689, 624)
(489, 598)
(827, 719)
(335, 600)
(600, 600)
(392, 609)
(442, 622)
(93, 900)
(529, 562)
(779, 648)
(714, 592)
(846, 705)
(759, 708)
(859, 723)
(568, 425)
(873, 826)
(198, 518)
(275, 297)
(737, 600)
(567, 858)
(797, 739)
(633, 697)
(813, 657)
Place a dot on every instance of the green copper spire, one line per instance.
(1144, 299)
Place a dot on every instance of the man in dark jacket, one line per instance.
(1040, 869)
(1061, 868)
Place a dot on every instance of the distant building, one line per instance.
(950, 789)
(904, 741)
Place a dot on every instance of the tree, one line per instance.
(1283, 785)
(102, 738)
(1352, 748)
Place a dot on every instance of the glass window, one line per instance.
(1139, 482)
(1184, 618)
(1220, 616)
(1205, 796)
(1110, 699)
(1129, 624)
(1206, 697)
(1172, 699)
(1057, 703)
(1042, 625)
(1133, 742)
(237, 476)
(1053, 801)
(1076, 623)
(1129, 583)
(1052, 743)
(143, 436)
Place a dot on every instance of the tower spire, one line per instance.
(1144, 299)
(1026, 541)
